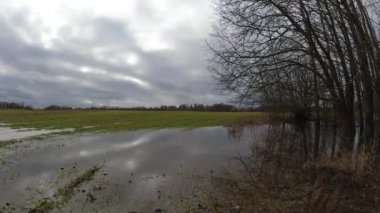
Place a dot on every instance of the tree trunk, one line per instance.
(347, 123)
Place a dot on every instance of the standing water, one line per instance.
(139, 171)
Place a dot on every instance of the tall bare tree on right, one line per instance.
(304, 54)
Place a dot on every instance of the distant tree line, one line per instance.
(183, 107)
(57, 107)
(220, 107)
(13, 105)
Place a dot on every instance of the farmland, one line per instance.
(114, 121)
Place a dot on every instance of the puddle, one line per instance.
(142, 170)
(7, 133)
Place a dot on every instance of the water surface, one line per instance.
(7, 133)
(142, 171)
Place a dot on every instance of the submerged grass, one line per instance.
(283, 184)
(118, 120)
(8, 143)
(65, 193)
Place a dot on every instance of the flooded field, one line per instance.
(257, 168)
(141, 171)
(7, 133)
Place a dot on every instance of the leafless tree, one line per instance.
(304, 54)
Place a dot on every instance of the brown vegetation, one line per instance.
(280, 177)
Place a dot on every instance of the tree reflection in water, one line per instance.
(287, 172)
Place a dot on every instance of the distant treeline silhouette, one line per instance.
(57, 107)
(220, 107)
(13, 105)
(183, 107)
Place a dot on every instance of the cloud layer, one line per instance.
(83, 53)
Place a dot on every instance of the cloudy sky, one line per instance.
(106, 52)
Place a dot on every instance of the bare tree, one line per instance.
(303, 53)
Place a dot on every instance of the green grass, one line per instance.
(65, 193)
(117, 120)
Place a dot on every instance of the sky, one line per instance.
(106, 53)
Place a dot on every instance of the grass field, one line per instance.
(114, 120)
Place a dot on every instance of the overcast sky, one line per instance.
(109, 52)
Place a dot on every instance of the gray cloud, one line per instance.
(97, 59)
